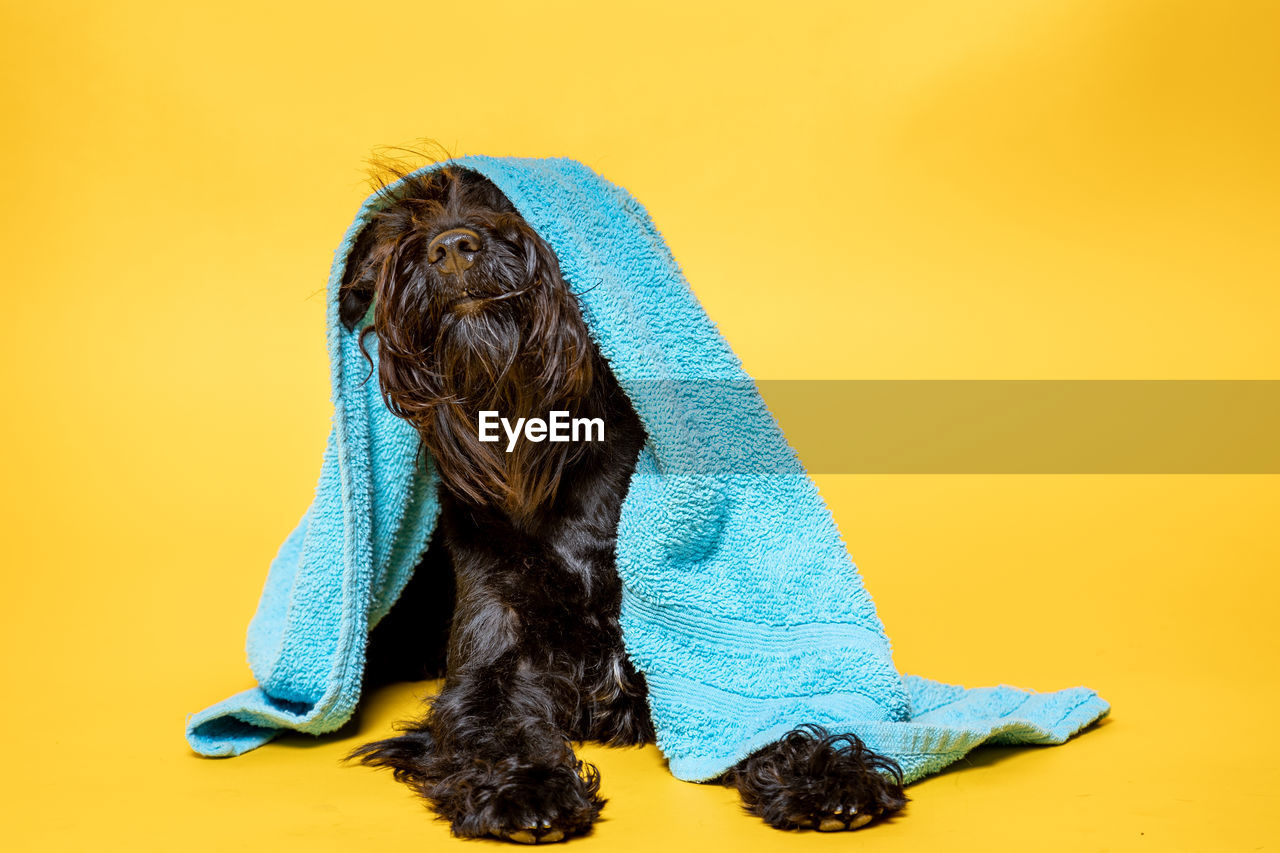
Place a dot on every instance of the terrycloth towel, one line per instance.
(740, 603)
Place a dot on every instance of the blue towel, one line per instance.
(740, 603)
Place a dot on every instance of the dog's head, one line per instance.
(471, 313)
(446, 242)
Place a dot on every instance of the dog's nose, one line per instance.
(454, 250)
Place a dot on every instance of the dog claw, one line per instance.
(841, 820)
(540, 834)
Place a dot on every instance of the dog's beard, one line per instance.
(523, 353)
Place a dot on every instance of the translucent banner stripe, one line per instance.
(1031, 427)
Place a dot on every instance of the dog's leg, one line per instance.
(491, 756)
(490, 759)
(813, 780)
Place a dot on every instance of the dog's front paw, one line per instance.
(813, 780)
(519, 801)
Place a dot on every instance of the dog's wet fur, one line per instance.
(516, 601)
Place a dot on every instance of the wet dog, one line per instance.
(516, 601)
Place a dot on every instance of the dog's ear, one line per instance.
(356, 293)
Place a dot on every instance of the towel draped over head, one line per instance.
(740, 602)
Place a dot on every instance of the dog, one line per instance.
(517, 598)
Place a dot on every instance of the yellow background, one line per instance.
(905, 189)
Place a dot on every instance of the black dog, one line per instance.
(471, 313)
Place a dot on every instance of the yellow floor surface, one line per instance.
(1082, 190)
